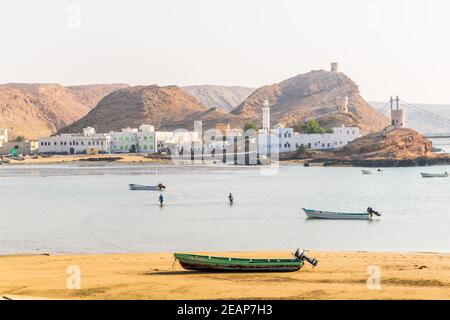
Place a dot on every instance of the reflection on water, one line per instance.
(87, 209)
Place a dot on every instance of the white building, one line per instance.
(285, 139)
(75, 143)
(339, 138)
(146, 140)
(140, 140)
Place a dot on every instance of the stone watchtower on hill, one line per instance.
(397, 115)
(342, 104)
(334, 67)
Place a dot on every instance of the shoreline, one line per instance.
(290, 158)
(90, 159)
(339, 275)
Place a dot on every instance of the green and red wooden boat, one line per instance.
(209, 263)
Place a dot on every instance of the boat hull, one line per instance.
(433, 175)
(318, 214)
(217, 264)
(142, 187)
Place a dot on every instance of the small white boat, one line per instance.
(319, 214)
(142, 187)
(365, 171)
(434, 175)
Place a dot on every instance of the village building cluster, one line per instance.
(220, 140)
(217, 142)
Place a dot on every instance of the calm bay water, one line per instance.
(83, 209)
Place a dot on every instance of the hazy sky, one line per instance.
(387, 47)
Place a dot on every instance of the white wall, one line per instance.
(66, 143)
(285, 139)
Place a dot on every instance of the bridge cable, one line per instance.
(426, 112)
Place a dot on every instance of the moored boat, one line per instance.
(434, 175)
(159, 187)
(319, 214)
(366, 171)
(209, 263)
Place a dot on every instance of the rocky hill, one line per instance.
(387, 148)
(163, 107)
(306, 96)
(224, 97)
(312, 95)
(400, 144)
(36, 110)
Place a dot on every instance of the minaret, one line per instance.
(266, 116)
(397, 115)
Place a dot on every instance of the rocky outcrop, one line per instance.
(130, 107)
(388, 144)
(313, 95)
(37, 110)
(224, 97)
(399, 147)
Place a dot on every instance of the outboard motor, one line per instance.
(300, 255)
(161, 186)
(373, 212)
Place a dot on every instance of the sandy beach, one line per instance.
(126, 158)
(340, 275)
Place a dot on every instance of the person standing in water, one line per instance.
(161, 200)
(230, 198)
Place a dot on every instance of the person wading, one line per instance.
(161, 200)
(230, 198)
